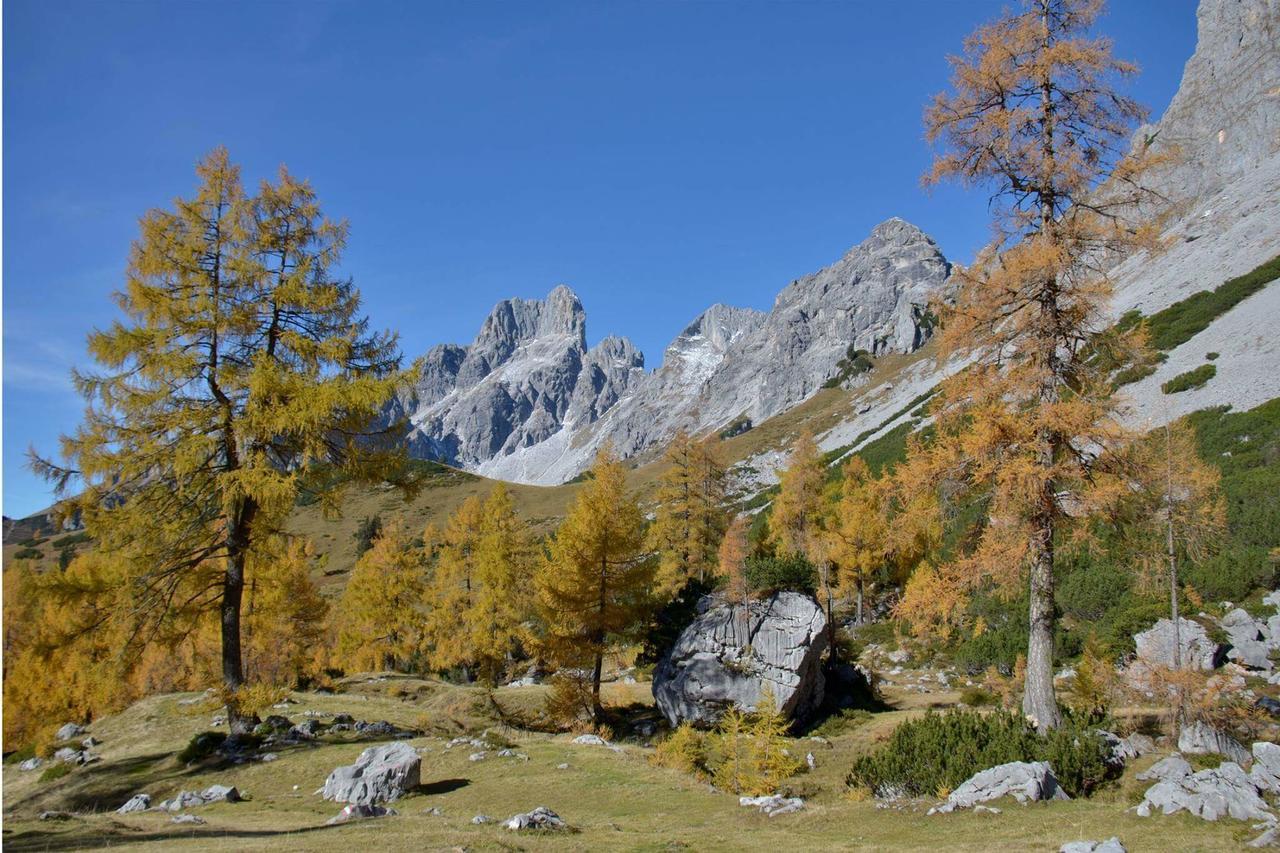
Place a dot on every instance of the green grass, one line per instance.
(1185, 319)
(1190, 380)
(55, 772)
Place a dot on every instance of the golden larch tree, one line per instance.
(858, 533)
(593, 586)
(689, 520)
(494, 624)
(241, 365)
(734, 549)
(384, 607)
(1035, 116)
(455, 583)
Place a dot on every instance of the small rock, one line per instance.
(590, 740)
(1111, 845)
(540, 818)
(186, 818)
(90, 742)
(477, 756)
(268, 756)
(67, 755)
(53, 815)
(773, 805)
(360, 811)
(69, 731)
(809, 760)
(136, 803)
(511, 753)
(33, 763)
(481, 818)
(434, 811)
(562, 766)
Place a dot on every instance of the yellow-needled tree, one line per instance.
(795, 522)
(593, 587)
(734, 550)
(1035, 116)
(858, 533)
(689, 520)
(240, 366)
(478, 619)
(284, 615)
(384, 607)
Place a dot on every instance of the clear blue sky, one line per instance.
(657, 157)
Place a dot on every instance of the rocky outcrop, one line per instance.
(381, 774)
(1025, 781)
(1209, 794)
(1201, 739)
(1155, 646)
(733, 653)
(527, 375)
(527, 401)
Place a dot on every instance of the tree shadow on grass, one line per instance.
(37, 839)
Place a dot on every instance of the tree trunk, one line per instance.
(238, 722)
(597, 710)
(1038, 699)
(861, 618)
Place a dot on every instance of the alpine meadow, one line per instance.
(968, 552)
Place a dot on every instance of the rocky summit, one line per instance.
(527, 401)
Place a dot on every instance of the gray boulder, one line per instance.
(192, 799)
(1169, 769)
(33, 763)
(1265, 773)
(69, 731)
(1209, 794)
(1202, 739)
(1249, 644)
(1155, 645)
(540, 818)
(773, 805)
(1022, 780)
(1111, 845)
(733, 653)
(69, 755)
(136, 803)
(381, 774)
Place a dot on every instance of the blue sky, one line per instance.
(657, 157)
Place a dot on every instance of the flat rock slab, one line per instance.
(1025, 781)
(1209, 794)
(1111, 845)
(773, 805)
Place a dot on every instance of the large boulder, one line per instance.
(1024, 781)
(1155, 645)
(1209, 794)
(1249, 646)
(733, 653)
(1202, 739)
(1265, 773)
(380, 775)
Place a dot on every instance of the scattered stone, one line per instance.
(136, 803)
(590, 740)
(562, 766)
(511, 753)
(190, 799)
(53, 815)
(344, 719)
(1248, 640)
(1022, 780)
(434, 811)
(1202, 739)
(1209, 794)
(1270, 838)
(268, 756)
(33, 763)
(69, 732)
(1155, 645)
(1271, 706)
(899, 656)
(187, 818)
(90, 742)
(1265, 773)
(732, 653)
(380, 728)
(360, 811)
(1169, 769)
(381, 774)
(481, 818)
(1111, 845)
(809, 760)
(69, 755)
(540, 818)
(773, 805)
(986, 810)
(306, 730)
(477, 756)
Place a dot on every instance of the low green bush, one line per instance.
(767, 575)
(1190, 380)
(978, 697)
(200, 746)
(1183, 320)
(938, 752)
(842, 723)
(55, 771)
(1211, 356)
(71, 539)
(1232, 573)
(27, 554)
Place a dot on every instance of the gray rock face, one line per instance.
(1248, 636)
(1155, 645)
(1265, 773)
(527, 375)
(731, 654)
(1209, 794)
(1201, 739)
(1166, 770)
(381, 774)
(1024, 781)
(528, 402)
